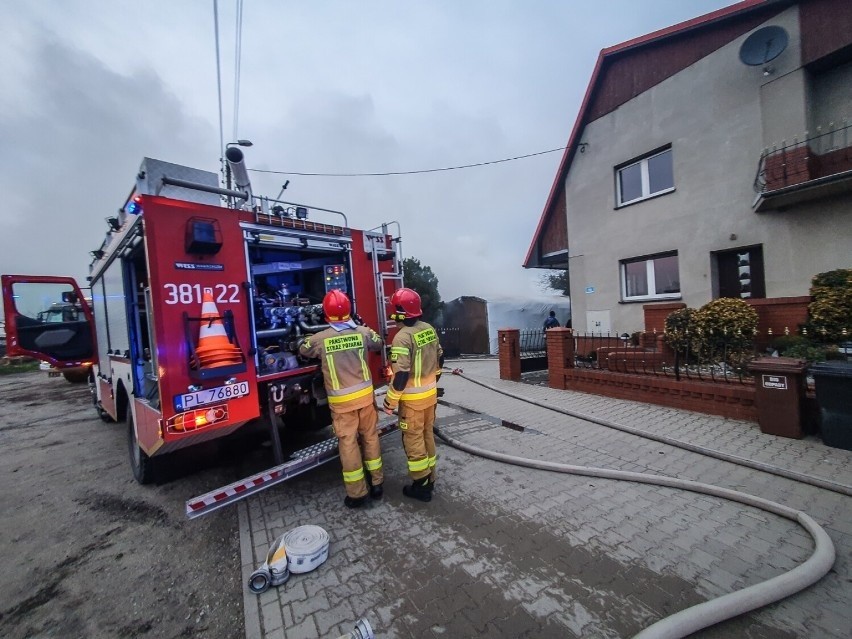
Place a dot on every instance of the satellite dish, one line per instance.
(763, 45)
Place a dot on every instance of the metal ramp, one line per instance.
(300, 462)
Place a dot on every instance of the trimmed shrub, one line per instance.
(726, 329)
(831, 309)
(807, 351)
(681, 330)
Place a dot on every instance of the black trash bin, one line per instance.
(833, 382)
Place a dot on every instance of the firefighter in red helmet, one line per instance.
(340, 349)
(416, 360)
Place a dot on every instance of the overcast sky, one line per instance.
(90, 87)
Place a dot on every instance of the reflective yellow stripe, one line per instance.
(428, 393)
(418, 465)
(393, 394)
(433, 461)
(364, 369)
(373, 464)
(353, 475)
(418, 367)
(419, 392)
(337, 399)
(399, 350)
(350, 389)
(335, 383)
(424, 395)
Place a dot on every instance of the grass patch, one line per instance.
(14, 369)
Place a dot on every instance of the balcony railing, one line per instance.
(825, 154)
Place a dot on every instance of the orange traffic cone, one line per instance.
(214, 349)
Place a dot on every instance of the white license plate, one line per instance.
(188, 401)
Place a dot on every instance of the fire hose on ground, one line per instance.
(843, 489)
(297, 551)
(695, 618)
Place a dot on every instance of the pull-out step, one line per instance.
(300, 461)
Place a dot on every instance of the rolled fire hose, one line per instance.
(298, 551)
(307, 548)
(695, 618)
(273, 571)
(362, 630)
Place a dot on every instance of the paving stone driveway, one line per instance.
(507, 551)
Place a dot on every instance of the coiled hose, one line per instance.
(695, 618)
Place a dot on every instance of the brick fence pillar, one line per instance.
(560, 355)
(509, 343)
(656, 314)
(666, 351)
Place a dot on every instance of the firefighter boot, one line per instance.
(419, 490)
(376, 491)
(354, 502)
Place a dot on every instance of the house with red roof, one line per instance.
(709, 159)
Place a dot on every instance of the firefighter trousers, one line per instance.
(354, 456)
(418, 440)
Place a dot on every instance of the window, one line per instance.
(652, 175)
(649, 278)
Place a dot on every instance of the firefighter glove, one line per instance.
(386, 406)
(391, 400)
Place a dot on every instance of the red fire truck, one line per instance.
(180, 240)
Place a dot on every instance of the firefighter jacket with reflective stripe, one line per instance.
(344, 364)
(416, 349)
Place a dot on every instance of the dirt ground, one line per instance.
(88, 552)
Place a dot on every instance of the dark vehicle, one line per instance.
(65, 312)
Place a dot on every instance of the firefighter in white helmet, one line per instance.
(340, 349)
(416, 360)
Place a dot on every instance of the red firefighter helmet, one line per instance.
(336, 306)
(406, 304)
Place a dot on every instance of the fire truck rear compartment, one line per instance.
(287, 291)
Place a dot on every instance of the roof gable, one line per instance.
(626, 70)
(629, 73)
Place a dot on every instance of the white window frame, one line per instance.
(646, 179)
(650, 277)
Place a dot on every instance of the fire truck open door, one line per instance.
(47, 318)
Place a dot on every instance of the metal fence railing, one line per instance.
(619, 354)
(723, 357)
(533, 343)
(533, 350)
